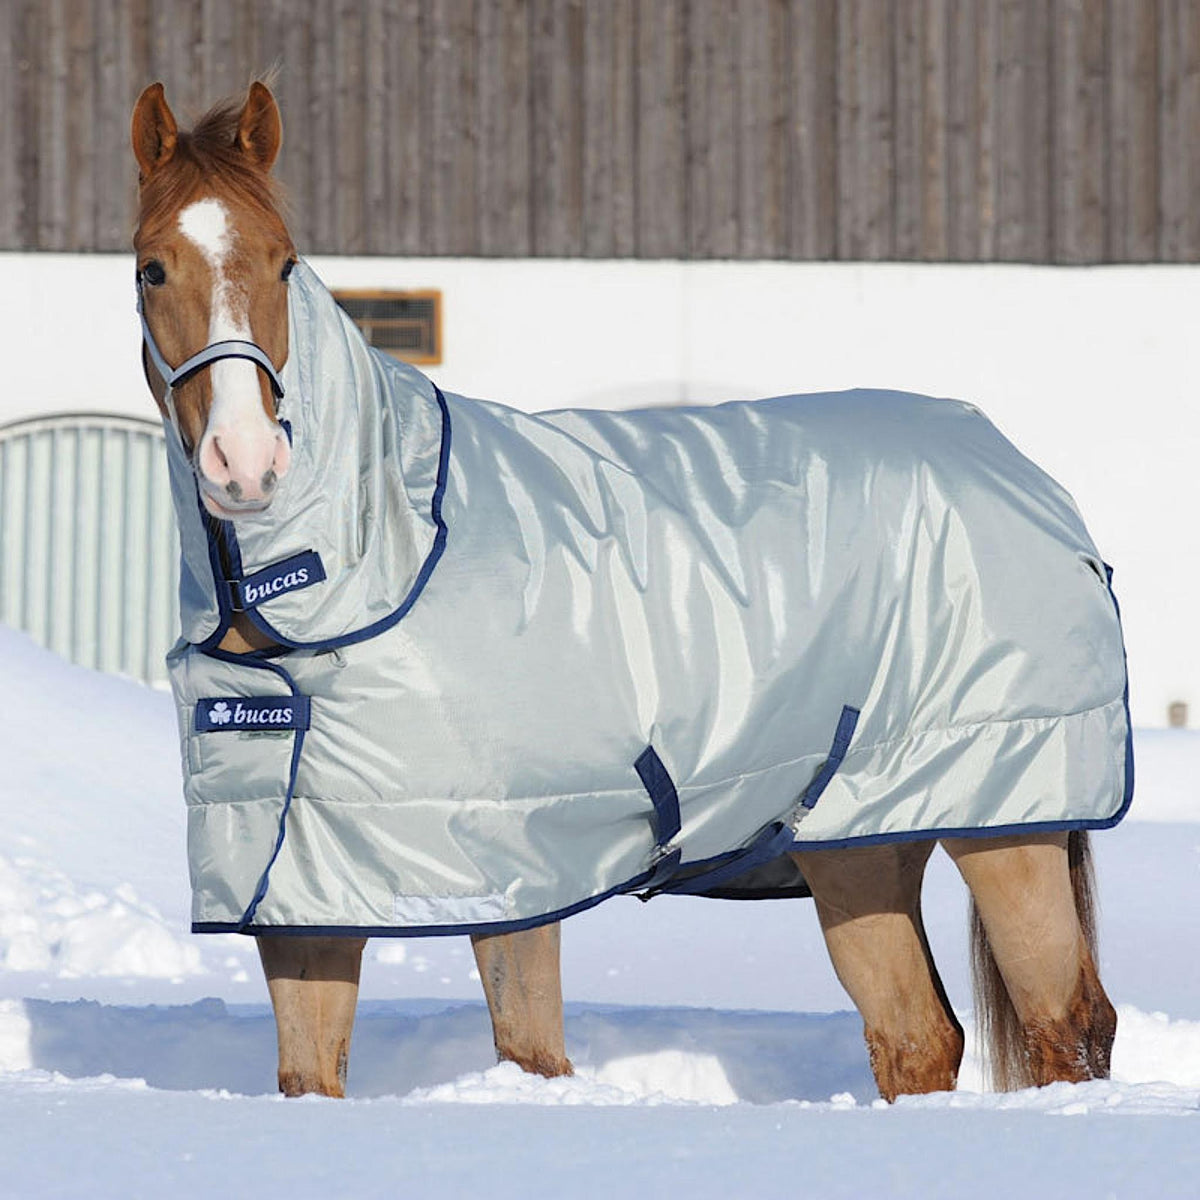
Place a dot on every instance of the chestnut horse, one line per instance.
(213, 257)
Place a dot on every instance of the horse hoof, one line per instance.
(549, 1066)
(299, 1083)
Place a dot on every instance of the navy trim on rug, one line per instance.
(214, 530)
(431, 560)
(772, 841)
(1129, 772)
(264, 882)
(985, 831)
(633, 886)
(1083, 825)
(515, 926)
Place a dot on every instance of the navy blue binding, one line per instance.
(1080, 826)
(264, 881)
(635, 885)
(421, 930)
(214, 530)
(1127, 800)
(221, 535)
(431, 560)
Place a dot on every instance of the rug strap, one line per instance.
(841, 743)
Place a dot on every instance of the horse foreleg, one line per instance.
(869, 904)
(313, 983)
(1024, 895)
(523, 985)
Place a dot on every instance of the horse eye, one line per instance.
(154, 273)
(287, 269)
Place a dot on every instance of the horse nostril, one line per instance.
(268, 481)
(234, 489)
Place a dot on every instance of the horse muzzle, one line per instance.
(221, 504)
(238, 473)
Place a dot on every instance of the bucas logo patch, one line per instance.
(291, 575)
(233, 713)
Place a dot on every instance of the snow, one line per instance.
(713, 1048)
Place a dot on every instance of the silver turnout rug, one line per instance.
(536, 660)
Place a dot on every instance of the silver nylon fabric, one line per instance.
(717, 583)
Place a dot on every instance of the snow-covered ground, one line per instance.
(715, 1053)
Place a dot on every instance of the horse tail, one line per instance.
(998, 1028)
(1083, 887)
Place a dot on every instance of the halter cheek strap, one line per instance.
(213, 352)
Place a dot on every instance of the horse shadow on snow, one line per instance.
(763, 1057)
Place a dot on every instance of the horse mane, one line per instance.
(206, 153)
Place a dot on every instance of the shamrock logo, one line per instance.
(219, 714)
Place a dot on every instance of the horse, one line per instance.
(214, 258)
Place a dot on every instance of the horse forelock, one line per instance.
(208, 160)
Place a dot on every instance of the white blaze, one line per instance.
(236, 416)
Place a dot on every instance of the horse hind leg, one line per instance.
(1041, 1007)
(869, 905)
(313, 983)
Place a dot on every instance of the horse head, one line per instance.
(213, 259)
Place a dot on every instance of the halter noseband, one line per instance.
(213, 352)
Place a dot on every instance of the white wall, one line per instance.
(1089, 371)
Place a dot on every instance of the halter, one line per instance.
(213, 352)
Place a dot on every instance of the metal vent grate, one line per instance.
(407, 325)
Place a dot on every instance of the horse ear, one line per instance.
(154, 132)
(260, 129)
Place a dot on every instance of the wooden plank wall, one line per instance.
(1063, 131)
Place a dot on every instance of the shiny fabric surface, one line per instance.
(717, 583)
